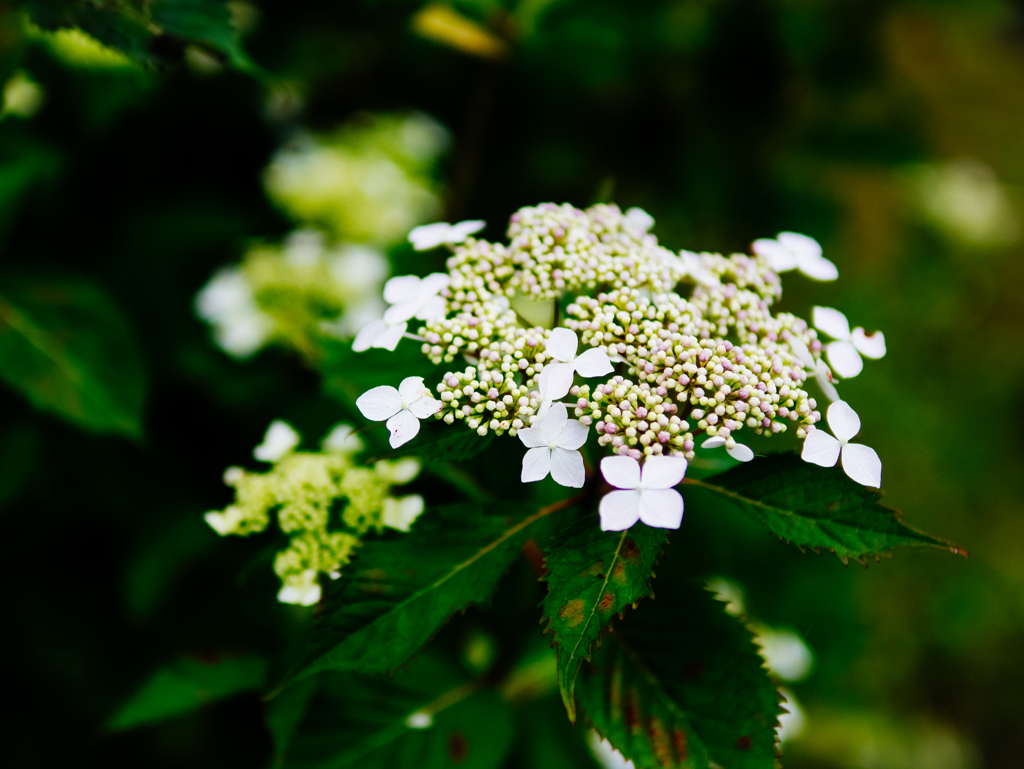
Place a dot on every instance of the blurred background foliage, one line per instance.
(134, 166)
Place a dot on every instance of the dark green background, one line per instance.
(727, 121)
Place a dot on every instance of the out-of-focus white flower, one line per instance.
(555, 380)
(22, 96)
(965, 200)
(785, 653)
(647, 495)
(342, 438)
(302, 590)
(402, 408)
(228, 304)
(553, 443)
(736, 451)
(421, 719)
(224, 522)
(280, 439)
(730, 592)
(859, 462)
(607, 756)
(399, 513)
(428, 236)
(639, 219)
(793, 251)
(791, 722)
(844, 353)
(398, 471)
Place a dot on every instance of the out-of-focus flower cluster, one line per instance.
(697, 347)
(321, 500)
(356, 193)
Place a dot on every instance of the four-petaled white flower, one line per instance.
(859, 462)
(822, 373)
(402, 408)
(793, 251)
(410, 297)
(844, 353)
(278, 441)
(556, 378)
(553, 443)
(647, 494)
(429, 236)
(737, 451)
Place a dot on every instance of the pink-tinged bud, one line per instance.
(641, 412)
(662, 391)
(687, 445)
(664, 437)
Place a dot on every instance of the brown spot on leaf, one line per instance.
(679, 740)
(693, 669)
(606, 602)
(744, 742)
(630, 550)
(572, 612)
(619, 573)
(458, 747)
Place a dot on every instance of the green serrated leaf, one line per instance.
(438, 442)
(186, 686)
(339, 720)
(681, 684)
(815, 507)
(202, 21)
(592, 576)
(67, 348)
(401, 588)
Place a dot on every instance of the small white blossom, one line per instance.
(736, 451)
(844, 353)
(694, 267)
(556, 378)
(410, 297)
(822, 373)
(279, 440)
(793, 251)
(380, 334)
(303, 590)
(639, 219)
(342, 438)
(398, 471)
(429, 236)
(228, 304)
(859, 462)
(401, 512)
(647, 494)
(402, 408)
(225, 522)
(553, 443)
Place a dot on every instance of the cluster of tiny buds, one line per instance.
(490, 399)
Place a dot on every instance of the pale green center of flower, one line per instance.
(552, 445)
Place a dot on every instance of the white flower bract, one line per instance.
(645, 494)
(402, 408)
(429, 236)
(859, 462)
(400, 513)
(844, 353)
(278, 441)
(793, 251)
(410, 297)
(553, 443)
(736, 451)
(342, 438)
(556, 379)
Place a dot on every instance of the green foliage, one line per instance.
(401, 588)
(682, 685)
(593, 575)
(815, 507)
(340, 719)
(439, 442)
(68, 349)
(148, 33)
(186, 686)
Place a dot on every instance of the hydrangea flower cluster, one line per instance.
(684, 346)
(322, 500)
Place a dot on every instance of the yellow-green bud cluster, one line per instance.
(322, 500)
(697, 348)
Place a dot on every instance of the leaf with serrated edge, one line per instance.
(401, 588)
(681, 684)
(816, 507)
(439, 442)
(592, 576)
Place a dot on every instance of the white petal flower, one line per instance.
(556, 378)
(401, 512)
(793, 251)
(694, 267)
(410, 297)
(647, 494)
(639, 219)
(303, 590)
(859, 462)
(278, 441)
(429, 236)
(224, 522)
(342, 438)
(398, 471)
(553, 443)
(402, 408)
(736, 451)
(227, 302)
(844, 353)
(822, 373)
(379, 334)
